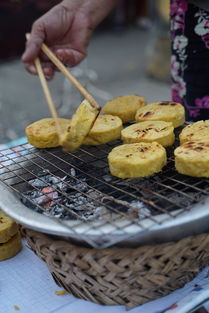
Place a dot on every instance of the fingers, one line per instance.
(48, 69)
(34, 43)
(70, 57)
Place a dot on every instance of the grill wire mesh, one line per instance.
(89, 184)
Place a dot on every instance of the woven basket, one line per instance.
(120, 275)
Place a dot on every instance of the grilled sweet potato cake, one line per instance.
(10, 239)
(167, 111)
(198, 131)
(149, 131)
(192, 158)
(11, 247)
(105, 129)
(8, 227)
(43, 133)
(124, 106)
(137, 159)
(81, 123)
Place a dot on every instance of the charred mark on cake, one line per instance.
(196, 146)
(199, 148)
(189, 144)
(144, 149)
(144, 131)
(147, 114)
(164, 103)
(140, 115)
(168, 103)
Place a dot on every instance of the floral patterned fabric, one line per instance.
(190, 58)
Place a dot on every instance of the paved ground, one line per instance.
(115, 66)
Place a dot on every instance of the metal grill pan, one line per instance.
(166, 206)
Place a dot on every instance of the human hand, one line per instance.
(66, 29)
(66, 32)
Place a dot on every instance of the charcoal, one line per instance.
(70, 197)
(107, 178)
(49, 180)
(39, 183)
(42, 172)
(57, 211)
(27, 201)
(62, 197)
(94, 214)
(40, 198)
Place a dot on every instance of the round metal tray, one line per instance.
(190, 222)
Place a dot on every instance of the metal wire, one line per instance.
(165, 193)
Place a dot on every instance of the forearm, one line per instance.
(95, 10)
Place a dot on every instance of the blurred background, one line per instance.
(128, 54)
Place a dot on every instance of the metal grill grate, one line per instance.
(112, 203)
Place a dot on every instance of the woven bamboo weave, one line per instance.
(125, 276)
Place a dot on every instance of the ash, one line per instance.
(138, 209)
(85, 205)
(66, 198)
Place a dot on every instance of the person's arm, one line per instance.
(66, 29)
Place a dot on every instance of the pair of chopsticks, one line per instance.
(65, 71)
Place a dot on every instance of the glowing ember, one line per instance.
(66, 198)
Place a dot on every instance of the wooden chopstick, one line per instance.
(66, 72)
(48, 95)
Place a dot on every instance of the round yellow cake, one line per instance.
(43, 133)
(198, 131)
(106, 128)
(124, 106)
(81, 123)
(192, 158)
(11, 247)
(8, 227)
(137, 159)
(149, 131)
(162, 111)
